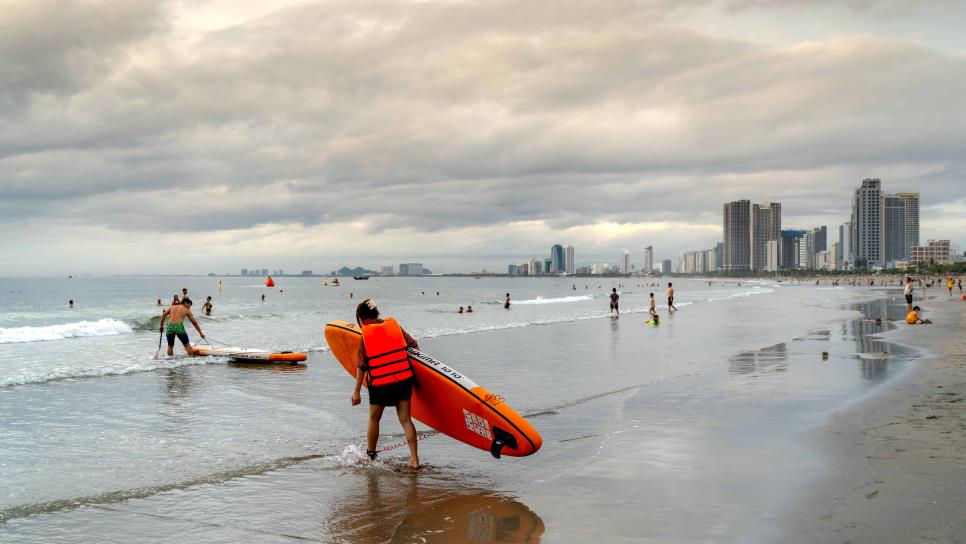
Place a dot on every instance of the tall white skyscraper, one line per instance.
(867, 224)
(569, 259)
(625, 261)
(844, 256)
(648, 260)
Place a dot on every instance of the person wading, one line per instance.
(384, 364)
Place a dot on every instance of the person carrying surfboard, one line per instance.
(384, 364)
(178, 313)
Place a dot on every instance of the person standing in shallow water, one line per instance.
(385, 366)
(506, 303)
(614, 301)
(670, 298)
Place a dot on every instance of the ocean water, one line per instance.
(684, 431)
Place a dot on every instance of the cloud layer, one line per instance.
(479, 128)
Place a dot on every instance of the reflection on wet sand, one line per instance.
(271, 367)
(400, 508)
(769, 359)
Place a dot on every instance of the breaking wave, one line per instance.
(101, 327)
(561, 300)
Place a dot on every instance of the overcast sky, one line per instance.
(202, 136)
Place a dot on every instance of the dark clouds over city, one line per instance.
(461, 134)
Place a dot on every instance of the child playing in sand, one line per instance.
(914, 318)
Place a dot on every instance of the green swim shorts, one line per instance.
(175, 328)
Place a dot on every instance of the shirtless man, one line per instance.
(177, 313)
(206, 307)
(670, 298)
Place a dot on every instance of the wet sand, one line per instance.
(898, 459)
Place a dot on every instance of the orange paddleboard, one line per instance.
(448, 401)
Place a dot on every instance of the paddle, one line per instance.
(158, 353)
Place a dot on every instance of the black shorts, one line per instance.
(670, 302)
(613, 305)
(183, 336)
(391, 394)
(909, 299)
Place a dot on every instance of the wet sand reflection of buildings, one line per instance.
(873, 353)
(766, 360)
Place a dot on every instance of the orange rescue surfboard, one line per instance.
(251, 355)
(448, 401)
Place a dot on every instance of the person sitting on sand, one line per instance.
(385, 365)
(469, 309)
(178, 313)
(914, 318)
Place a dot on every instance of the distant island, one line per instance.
(357, 271)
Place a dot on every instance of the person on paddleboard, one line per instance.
(384, 364)
(177, 313)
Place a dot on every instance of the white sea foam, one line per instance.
(541, 300)
(56, 374)
(101, 327)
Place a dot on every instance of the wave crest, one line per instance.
(101, 327)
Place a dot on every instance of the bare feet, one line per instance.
(414, 464)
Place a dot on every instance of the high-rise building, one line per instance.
(569, 259)
(912, 222)
(833, 257)
(548, 266)
(625, 262)
(718, 254)
(411, 269)
(386, 270)
(772, 252)
(867, 224)
(264, 272)
(648, 260)
(535, 267)
(737, 237)
(821, 238)
(789, 253)
(766, 225)
(893, 226)
(511, 269)
(244, 271)
(666, 266)
(844, 255)
(557, 259)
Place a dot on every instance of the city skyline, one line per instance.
(165, 137)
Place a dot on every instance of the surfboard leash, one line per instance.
(406, 442)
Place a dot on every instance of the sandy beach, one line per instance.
(898, 458)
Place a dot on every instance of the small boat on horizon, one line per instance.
(360, 277)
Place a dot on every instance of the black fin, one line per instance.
(501, 439)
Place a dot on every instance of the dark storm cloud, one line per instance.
(436, 116)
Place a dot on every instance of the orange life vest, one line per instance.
(386, 353)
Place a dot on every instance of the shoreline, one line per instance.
(897, 459)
